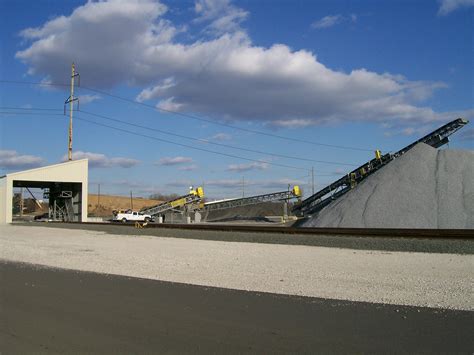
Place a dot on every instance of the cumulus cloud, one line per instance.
(10, 159)
(275, 85)
(168, 161)
(247, 167)
(97, 160)
(448, 6)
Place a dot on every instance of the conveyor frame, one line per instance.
(253, 200)
(335, 190)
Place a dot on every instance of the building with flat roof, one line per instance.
(64, 185)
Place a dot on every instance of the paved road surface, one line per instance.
(57, 311)
(412, 279)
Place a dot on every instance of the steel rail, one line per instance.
(356, 232)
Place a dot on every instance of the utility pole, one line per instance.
(312, 180)
(243, 186)
(131, 200)
(70, 100)
(98, 198)
(21, 202)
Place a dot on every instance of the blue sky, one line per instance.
(354, 74)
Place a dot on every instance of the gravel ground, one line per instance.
(419, 279)
(424, 188)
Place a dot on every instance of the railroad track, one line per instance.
(360, 232)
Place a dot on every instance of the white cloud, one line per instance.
(333, 20)
(97, 160)
(328, 21)
(169, 104)
(281, 184)
(224, 183)
(222, 15)
(395, 128)
(448, 6)
(85, 99)
(168, 161)
(467, 135)
(221, 137)
(10, 159)
(293, 123)
(188, 167)
(274, 85)
(247, 167)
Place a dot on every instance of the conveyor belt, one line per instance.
(252, 200)
(194, 197)
(332, 192)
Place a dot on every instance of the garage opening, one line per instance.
(55, 201)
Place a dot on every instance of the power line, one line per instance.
(30, 108)
(31, 113)
(166, 141)
(185, 115)
(197, 139)
(214, 143)
(31, 83)
(190, 146)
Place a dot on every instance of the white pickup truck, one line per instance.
(133, 216)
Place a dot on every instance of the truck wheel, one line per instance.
(124, 220)
(147, 219)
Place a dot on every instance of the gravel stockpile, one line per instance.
(404, 278)
(251, 212)
(425, 188)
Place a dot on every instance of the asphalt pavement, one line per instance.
(45, 310)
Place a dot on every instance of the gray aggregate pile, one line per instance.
(424, 188)
(249, 212)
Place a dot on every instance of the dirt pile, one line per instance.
(108, 203)
(424, 188)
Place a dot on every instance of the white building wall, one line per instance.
(3, 200)
(9, 200)
(85, 191)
